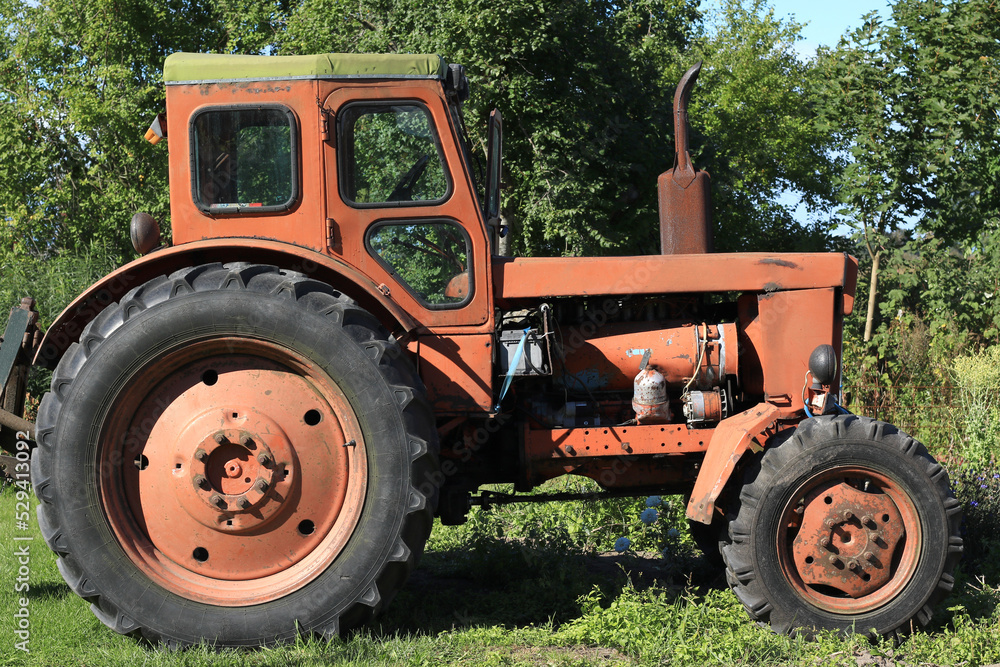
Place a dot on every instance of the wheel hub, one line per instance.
(847, 539)
(236, 474)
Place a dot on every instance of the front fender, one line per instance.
(70, 324)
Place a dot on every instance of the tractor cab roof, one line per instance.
(191, 68)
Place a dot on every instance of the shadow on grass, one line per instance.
(506, 583)
(51, 591)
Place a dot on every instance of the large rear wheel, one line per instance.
(235, 454)
(846, 525)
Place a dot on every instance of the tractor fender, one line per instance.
(68, 327)
(731, 440)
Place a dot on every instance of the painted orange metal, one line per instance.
(781, 329)
(456, 370)
(243, 469)
(849, 548)
(321, 220)
(461, 208)
(614, 456)
(609, 358)
(534, 277)
(730, 441)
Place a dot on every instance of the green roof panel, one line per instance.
(209, 67)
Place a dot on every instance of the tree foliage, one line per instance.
(586, 91)
(79, 82)
(913, 105)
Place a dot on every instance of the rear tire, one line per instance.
(235, 455)
(846, 525)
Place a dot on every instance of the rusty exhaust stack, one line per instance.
(685, 193)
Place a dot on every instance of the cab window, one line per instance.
(244, 159)
(390, 156)
(430, 257)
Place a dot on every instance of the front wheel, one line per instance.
(234, 455)
(846, 525)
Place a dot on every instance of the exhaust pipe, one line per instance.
(685, 193)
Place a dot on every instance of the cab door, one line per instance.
(401, 205)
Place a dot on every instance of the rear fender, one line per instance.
(70, 324)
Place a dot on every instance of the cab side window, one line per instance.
(390, 155)
(431, 257)
(244, 159)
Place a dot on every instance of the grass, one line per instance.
(525, 586)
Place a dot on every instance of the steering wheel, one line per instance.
(404, 188)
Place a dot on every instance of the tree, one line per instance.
(586, 90)
(79, 82)
(756, 117)
(913, 105)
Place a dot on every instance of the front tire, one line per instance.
(234, 455)
(846, 525)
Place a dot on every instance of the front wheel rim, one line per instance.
(849, 540)
(232, 471)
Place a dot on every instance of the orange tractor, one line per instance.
(251, 428)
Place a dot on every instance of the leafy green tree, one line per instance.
(913, 106)
(759, 135)
(586, 92)
(79, 82)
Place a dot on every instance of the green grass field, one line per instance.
(520, 585)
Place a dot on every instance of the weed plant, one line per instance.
(978, 377)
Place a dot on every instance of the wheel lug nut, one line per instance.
(201, 482)
(848, 515)
(201, 455)
(261, 485)
(264, 459)
(869, 556)
(246, 441)
(868, 520)
(242, 502)
(834, 560)
(220, 438)
(824, 542)
(829, 523)
(853, 565)
(874, 537)
(219, 501)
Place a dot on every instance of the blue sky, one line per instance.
(825, 21)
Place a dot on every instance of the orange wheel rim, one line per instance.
(849, 540)
(233, 471)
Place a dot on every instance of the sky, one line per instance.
(825, 20)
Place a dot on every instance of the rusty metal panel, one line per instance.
(303, 223)
(608, 361)
(543, 277)
(456, 371)
(576, 444)
(786, 329)
(616, 457)
(730, 440)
